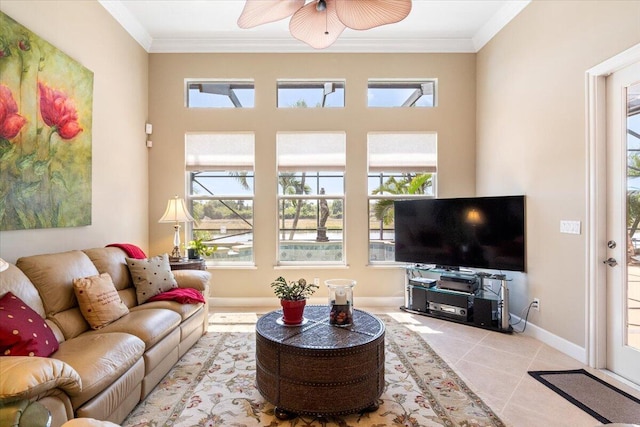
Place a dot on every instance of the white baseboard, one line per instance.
(560, 344)
(273, 302)
(552, 340)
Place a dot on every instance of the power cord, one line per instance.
(525, 319)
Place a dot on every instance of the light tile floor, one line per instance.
(494, 365)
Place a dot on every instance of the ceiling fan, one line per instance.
(319, 23)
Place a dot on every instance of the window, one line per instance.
(220, 94)
(402, 165)
(401, 93)
(221, 190)
(311, 197)
(305, 94)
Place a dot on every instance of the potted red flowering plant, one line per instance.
(293, 297)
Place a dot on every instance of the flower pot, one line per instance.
(292, 311)
(192, 254)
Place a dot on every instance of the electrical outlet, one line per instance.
(316, 281)
(536, 304)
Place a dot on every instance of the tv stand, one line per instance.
(457, 295)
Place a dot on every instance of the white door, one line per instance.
(623, 222)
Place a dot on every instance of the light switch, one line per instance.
(570, 227)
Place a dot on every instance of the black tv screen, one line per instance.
(475, 232)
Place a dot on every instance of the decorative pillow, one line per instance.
(22, 331)
(98, 299)
(151, 276)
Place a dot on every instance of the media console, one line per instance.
(460, 296)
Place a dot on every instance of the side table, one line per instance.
(317, 368)
(188, 264)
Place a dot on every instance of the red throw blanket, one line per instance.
(181, 295)
(131, 250)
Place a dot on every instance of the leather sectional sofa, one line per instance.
(96, 373)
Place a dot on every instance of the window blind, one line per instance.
(219, 151)
(402, 152)
(311, 151)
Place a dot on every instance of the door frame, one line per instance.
(596, 120)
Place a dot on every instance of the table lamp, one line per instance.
(176, 212)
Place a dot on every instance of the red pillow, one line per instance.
(22, 331)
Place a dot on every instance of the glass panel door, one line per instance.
(623, 223)
(632, 322)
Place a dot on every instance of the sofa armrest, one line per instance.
(24, 377)
(196, 279)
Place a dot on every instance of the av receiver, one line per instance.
(454, 305)
(459, 282)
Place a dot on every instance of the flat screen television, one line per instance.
(475, 232)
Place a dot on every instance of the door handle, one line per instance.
(611, 262)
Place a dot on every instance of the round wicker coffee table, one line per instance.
(320, 369)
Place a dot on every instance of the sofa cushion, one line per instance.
(111, 260)
(22, 331)
(30, 377)
(184, 310)
(100, 359)
(52, 275)
(15, 281)
(99, 301)
(151, 276)
(151, 325)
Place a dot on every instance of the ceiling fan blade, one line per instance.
(318, 29)
(366, 14)
(258, 12)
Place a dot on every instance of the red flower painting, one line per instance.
(10, 121)
(58, 112)
(46, 110)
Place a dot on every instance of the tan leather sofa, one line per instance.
(104, 373)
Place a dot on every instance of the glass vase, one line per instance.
(340, 301)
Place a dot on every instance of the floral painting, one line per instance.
(46, 102)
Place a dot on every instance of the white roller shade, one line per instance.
(311, 151)
(403, 151)
(219, 151)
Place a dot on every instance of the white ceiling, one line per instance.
(210, 26)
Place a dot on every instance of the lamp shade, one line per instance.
(3, 265)
(176, 211)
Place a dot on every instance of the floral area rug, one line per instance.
(214, 385)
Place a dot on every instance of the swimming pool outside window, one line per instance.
(311, 197)
(220, 169)
(402, 165)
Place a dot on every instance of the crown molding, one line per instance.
(129, 22)
(224, 44)
(497, 22)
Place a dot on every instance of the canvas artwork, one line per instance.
(46, 101)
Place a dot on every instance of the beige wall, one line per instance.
(86, 32)
(531, 139)
(453, 119)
